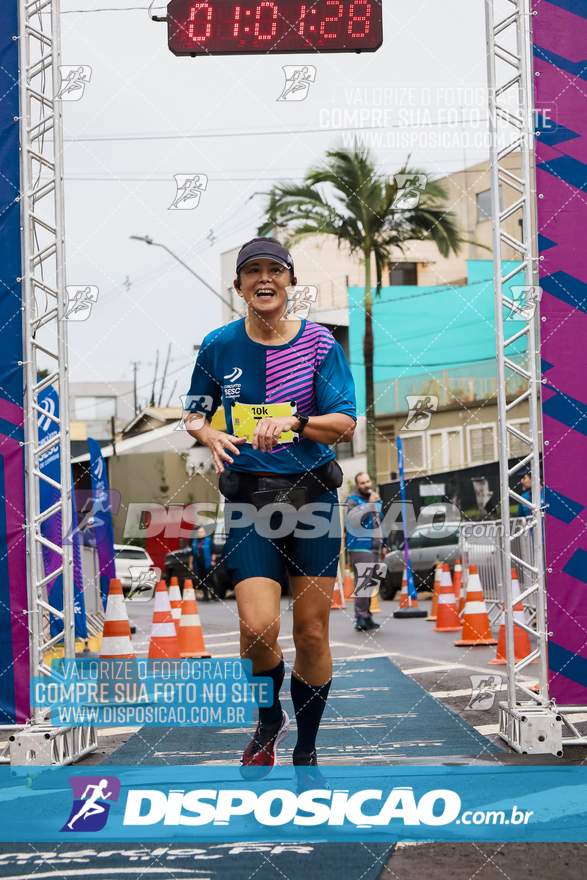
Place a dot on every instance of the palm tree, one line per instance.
(358, 207)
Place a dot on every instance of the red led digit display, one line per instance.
(226, 27)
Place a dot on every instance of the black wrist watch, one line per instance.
(303, 420)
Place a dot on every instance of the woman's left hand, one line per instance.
(268, 431)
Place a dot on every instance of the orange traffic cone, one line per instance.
(522, 645)
(374, 605)
(175, 602)
(348, 586)
(116, 640)
(408, 607)
(437, 576)
(191, 637)
(447, 617)
(457, 582)
(164, 643)
(404, 599)
(476, 628)
(337, 597)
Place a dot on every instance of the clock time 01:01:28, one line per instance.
(223, 27)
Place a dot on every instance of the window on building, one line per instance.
(88, 409)
(436, 452)
(454, 449)
(413, 452)
(481, 441)
(403, 273)
(484, 204)
(518, 449)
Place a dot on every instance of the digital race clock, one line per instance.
(226, 27)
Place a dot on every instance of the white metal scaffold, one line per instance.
(529, 722)
(45, 331)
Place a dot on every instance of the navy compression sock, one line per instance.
(309, 703)
(269, 715)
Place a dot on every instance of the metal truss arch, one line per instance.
(528, 720)
(45, 337)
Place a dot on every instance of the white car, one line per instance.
(130, 561)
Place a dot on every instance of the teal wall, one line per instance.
(421, 329)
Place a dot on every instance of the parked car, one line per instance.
(428, 545)
(129, 560)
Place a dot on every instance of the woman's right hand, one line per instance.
(218, 442)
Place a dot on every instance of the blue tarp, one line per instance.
(427, 329)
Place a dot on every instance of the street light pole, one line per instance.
(148, 240)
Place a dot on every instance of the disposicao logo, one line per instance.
(90, 802)
(320, 807)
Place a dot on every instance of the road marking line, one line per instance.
(140, 869)
(487, 729)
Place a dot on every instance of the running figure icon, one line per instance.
(74, 80)
(91, 807)
(79, 302)
(483, 691)
(189, 191)
(420, 410)
(299, 302)
(297, 82)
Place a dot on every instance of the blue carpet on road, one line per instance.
(374, 713)
(202, 861)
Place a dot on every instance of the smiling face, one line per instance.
(264, 286)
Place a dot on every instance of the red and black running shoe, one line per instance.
(259, 756)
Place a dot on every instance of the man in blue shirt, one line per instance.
(365, 541)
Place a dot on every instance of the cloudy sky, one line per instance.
(147, 115)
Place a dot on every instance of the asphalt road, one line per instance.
(431, 659)
(428, 658)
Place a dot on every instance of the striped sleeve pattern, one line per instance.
(290, 371)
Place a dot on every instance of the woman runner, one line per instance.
(288, 396)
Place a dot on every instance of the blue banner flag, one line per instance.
(412, 592)
(50, 466)
(102, 515)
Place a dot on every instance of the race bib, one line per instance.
(246, 415)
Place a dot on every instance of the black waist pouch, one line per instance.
(294, 489)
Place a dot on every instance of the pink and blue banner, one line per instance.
(560, 83)
(14, 635)
(102, 513)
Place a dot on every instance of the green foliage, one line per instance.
(347, 197)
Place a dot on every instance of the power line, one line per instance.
(166, 179)
(105, 9)
(223, 134)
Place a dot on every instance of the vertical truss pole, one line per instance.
(511, 118)
(45, 330)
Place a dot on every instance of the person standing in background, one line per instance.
(526, 484)
(202, 561)
(368, 548)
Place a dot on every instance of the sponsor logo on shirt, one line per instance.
(233, 389)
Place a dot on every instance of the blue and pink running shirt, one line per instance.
(311, 371)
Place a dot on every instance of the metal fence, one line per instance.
(481, 544)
